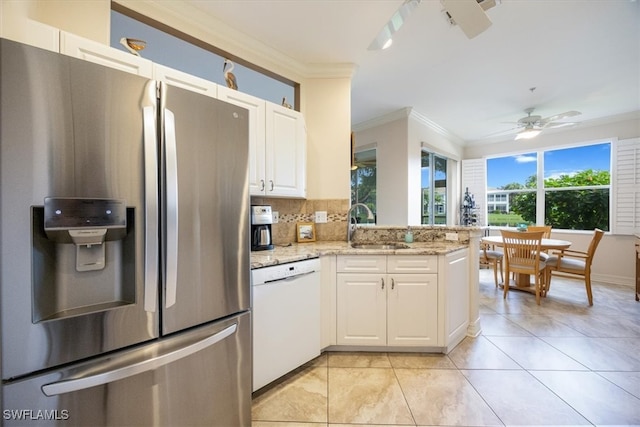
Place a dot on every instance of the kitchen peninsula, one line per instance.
(418, 296)
(292, 252)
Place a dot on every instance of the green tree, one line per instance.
(363, 188)
(579, 209)
(512, 196)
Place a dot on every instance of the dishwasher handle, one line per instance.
(286, 279)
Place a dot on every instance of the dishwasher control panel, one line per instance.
(284, 271)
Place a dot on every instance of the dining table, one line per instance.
(523, 281)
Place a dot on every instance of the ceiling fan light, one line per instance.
(528, 133)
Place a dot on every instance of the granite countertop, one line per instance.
(301, 251)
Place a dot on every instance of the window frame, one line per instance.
(441, 209)
(354, 190)
(541, 190)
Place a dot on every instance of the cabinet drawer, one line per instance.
(412, 264)
(362, 264)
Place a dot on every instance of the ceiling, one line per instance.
(578, 55)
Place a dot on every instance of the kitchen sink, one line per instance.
(379, 246)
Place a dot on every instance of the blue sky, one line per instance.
(568, 161)
(170, 51)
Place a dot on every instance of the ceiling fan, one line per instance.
(469, 15)
(530, 126)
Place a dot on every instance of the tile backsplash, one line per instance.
(292, 211)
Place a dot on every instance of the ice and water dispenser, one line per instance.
(83, 256)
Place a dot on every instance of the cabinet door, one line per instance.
(185, 81)
(92, 51)
(256, 107)
(412, 309)
(361, 309)
(285, 155)
(455, 287)
(31, 32)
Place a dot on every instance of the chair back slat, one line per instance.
(545, 228)
(522, 248)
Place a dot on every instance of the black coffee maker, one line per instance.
(261, 220)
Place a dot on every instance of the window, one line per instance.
(198, 60)
(434, 189)
(363, 182)
(567, 188)
(577, 177)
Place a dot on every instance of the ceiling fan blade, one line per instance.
(556, 125)
(394, 24)
(502, 132)
(560, 116)
(468, 15)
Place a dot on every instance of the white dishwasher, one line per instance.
(286, 318)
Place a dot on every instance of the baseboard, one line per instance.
(614, 280)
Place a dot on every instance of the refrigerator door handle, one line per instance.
(69, 386)
(171, 173)
(151, 210)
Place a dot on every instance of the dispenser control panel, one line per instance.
(68, 213)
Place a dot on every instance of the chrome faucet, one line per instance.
(351, 227)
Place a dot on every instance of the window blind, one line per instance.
(625, 183)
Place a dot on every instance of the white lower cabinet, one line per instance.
(412, 310)
(378, 304)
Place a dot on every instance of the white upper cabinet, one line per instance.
(92, 51)
(256, 107)
(277, 146)
(277, 135)
(31, 32)
(185, 80)
(285, 152)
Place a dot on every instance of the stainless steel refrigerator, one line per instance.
(124, 273)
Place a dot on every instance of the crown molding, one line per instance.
(407, 113)
(400, 114)
(424, 120)
(184, 17)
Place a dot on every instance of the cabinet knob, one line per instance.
(271, 181)
(393, 284)
(383, 283)
(262, 185)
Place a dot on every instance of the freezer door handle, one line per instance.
(171, 173)
(151, 210)
(77, 384)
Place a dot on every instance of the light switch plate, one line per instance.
(275, 217)
(321, 217)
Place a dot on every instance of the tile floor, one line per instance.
(560, 363)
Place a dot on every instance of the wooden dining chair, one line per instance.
(574, 264)
(491, 258)
(546, 229)
(544, 255)
(522, 255)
